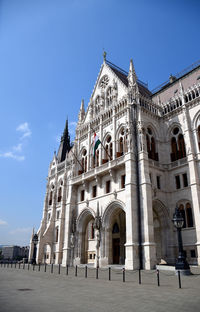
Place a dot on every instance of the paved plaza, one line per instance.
(40, 291)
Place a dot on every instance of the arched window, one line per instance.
(50, 198)
(95, 160)
(177, 145)
(181, 145)
(115, 228)
(189, 215)
(151, 145)
(186, 212)
(108, 153)
(83, 162)
(122, 146)
(59, 194)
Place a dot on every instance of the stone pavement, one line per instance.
(39, 291)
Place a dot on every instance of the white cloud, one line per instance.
(21, 230)
(13, 156)
(2, 222)
(24, 129)
(18, 148)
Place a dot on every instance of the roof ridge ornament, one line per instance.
(104, 56)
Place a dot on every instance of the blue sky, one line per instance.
(50, 56)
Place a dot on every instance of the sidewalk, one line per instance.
(39, 291)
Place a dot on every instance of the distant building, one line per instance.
(114, 205)
(15, 252)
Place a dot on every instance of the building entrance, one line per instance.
(116, 250)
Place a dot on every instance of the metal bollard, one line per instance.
(124, 275)
(19, 265)
(109, 274)
(45, 267)
(15, 265)
(139, 276)
(4, 264)
(179, 279)
(52, 268)
(23, 266)
(97, 273)
(28, 266)
(158, 277)
(59, 268)
(86, 271)
(8, 265)
(11, 264)
(76, 270)
(33, 267)
(67, 270)
(39, 267)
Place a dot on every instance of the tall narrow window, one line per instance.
(189, 215)
(57, 232)
(94, 191)
(158, 182)
(181, 145)
(178, 183)
(50, 198)
(108, 186)
(199, 136)
(82, 195)
(59, 194)
(174, 153)
(185, 180)
(123, 180)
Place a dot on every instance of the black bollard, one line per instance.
(139, 276)
(179, 279)
(28, 266)
(67, 270)
(158, 277)
(33, 267)
(19, 265)
(76, 270)
(124, 275)
(11, 264)
(109, 274)
(45, 267)
(8, 265)
(15, 265)
(39, 267)
(86, 271)
(59, 268)
(97, 273)
(52, 268)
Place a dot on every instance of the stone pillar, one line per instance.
(193, 175)
(131, 246)
(114, 133)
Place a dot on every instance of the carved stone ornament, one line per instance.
(103, 82)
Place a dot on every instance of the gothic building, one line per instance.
(115, 205)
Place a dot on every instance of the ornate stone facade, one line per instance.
(117, 207)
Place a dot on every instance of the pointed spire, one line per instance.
(81, 114)
(65, 144)
(104, 56)
(132, 78)
(181, 87)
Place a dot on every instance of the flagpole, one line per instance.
(77, 160)
(102, 145)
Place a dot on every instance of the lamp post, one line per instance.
(181, 263)
(34, 241)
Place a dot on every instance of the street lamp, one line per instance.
(178, 220)
(34, 241)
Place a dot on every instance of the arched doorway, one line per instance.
(161, 231)
(86, 238)
(116, 236)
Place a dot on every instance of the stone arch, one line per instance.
(113, 242)
(82, 223)
(161, 222)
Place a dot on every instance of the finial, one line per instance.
(104, 55)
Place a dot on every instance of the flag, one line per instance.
(96, 143)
